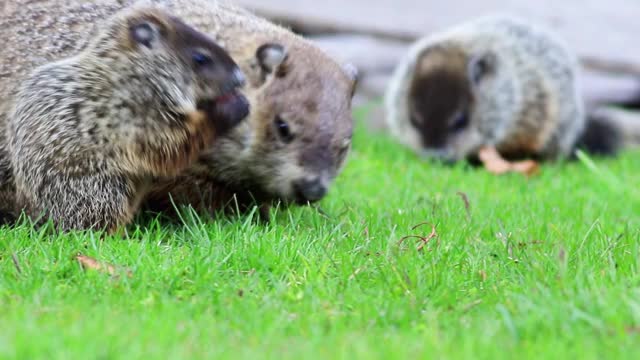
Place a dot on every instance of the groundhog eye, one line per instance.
(201, 59)
(283, 130)
(459, 122)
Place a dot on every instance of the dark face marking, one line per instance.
(215, 73)
(210, 61)
(439, 104)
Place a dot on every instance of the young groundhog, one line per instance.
(299, 131)
(496, 81)
(89, 134)
(298, 134)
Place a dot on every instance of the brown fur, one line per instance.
(309, 90)
(174, 151)
(495, 81)
(90, 133)
(441, 88)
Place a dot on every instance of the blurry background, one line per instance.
(373, 34)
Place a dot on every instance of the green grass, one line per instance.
(540, 268)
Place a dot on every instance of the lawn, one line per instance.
(546, 267)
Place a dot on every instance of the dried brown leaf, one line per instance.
(90, 263)
(496, 164)
(526, 167)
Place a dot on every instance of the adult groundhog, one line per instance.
(88, 134)
(495, 81)
(298, 133)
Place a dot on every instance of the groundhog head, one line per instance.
(447, 107)
(180, 67)
(299, 130)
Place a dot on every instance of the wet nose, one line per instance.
(309, 190)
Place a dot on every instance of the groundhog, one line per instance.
(89, 134)
(495, 81)
(298, 133)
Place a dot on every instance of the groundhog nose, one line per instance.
(309, 190)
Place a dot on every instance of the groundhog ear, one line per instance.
(144, 33)
(352, 73)
(270, 56)
(480, 66)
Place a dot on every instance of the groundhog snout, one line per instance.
(232, 80)
(231, 110)
(226, 111)
(309, 191)
(237, 78)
